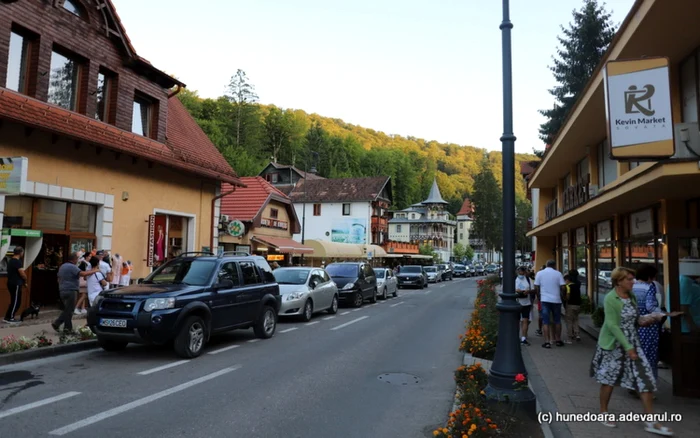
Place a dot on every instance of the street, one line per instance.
(325, 378)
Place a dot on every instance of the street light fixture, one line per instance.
(314, 154)
(508, 359)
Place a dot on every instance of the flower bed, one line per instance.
(482, 329)
(12, 343)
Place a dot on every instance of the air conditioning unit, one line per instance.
(687, 141)
(225, 218)
(592, 190)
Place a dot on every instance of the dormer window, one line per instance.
(73, 7)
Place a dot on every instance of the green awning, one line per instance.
(21, 233)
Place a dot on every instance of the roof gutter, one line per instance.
(213, 216)
(176, 92)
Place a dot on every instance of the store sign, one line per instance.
(275, 257)
(603, 231)
(576, 195)
(638, 98)
(18, 232)
(13, 175)
(551, 210)
(235, 228)
(244, 248)
(274, 223)
(641, 223)
(151, 239)
(581, 236)
(564, 240)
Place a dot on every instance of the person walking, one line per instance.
(573, 306)
(16, 280)
(619, 359)
(645, 294)
(549, 284)
(68, 285)
(525, 292)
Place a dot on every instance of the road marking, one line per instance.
(312, 323)
(221, 350)
(394, 305)
(357, 310)
(345, 313)
(252, 341)
(161, 368)
(140, 402)
(328, 318)
(350, 322)
(428, 292)
(37, 404)
(289, 330)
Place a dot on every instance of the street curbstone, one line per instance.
(43, 352)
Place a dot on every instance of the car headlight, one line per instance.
(348, 286)
(98, 300)
(159, 304)
(294, 296)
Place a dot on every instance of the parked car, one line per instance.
(355, 280)
(460, 271)
(187, 300)
(412, 276)
(386, 282)
(479, 269)
(434, 275)
(491, 269)
(446, 272)
(306, 291)
(604, 279)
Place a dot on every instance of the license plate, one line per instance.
(118, 323)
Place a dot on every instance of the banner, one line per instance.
(13, 174)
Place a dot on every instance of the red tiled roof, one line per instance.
(189, 150)
(467, 208)
(246, 202)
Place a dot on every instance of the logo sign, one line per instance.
(603, 231)
(151, 239)
(235, 228)
(581, 236)
(13, 174)
(565, 239)
(641, 223)
(638, 109)
(275, 257)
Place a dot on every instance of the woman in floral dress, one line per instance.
(644, 291)
(619, 359)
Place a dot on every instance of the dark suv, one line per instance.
(446, 272)
(412, 276)
(187, 300)
(356, 282)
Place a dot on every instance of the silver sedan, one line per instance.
(386, 283)
(306, 291)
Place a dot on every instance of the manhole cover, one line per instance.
(399, 378)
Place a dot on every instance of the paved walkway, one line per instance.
(32, 327)
(560, 378)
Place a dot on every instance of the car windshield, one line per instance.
(182, 271)
(460, 268)
(379, 273)
(410, 270)
(430, 269)
(291, 276)
(347, 271)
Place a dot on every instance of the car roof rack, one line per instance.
(238, 253)
(196, 253)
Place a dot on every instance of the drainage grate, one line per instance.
(399, 378)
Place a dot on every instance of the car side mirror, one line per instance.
(139, 281)
(224, 284)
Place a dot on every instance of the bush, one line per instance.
(598, 317)
(586, 305)
(11, 343)
(471, 381)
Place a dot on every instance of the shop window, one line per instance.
(18, 63)
(642, 244)
(607, 167)
(689, 90)
(603, 262)
(317, 209)
(142, 117)
(104, 95)
(274, 213)
(51, 215)
(82, 218)
(18, 212)
(63, 82)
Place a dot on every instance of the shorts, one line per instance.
(526, 312)
(551, 308)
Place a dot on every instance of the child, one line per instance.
(572, 304)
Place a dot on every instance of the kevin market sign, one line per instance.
(638, 109)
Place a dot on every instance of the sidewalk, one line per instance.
(31, 327)
(560, 377)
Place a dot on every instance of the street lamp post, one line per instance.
(303, 211)
(508, 359)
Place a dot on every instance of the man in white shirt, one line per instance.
(525, 290)
(105, 269)
(549, 284)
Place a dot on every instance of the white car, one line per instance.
(434, 276)
(305, 291)
(386, 283)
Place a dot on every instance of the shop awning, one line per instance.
(284, 245)
(323, 249)
(377, 251)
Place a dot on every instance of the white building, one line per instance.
(343, 210)
(426, 222)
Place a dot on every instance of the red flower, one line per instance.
(482, 306)
(519, 378)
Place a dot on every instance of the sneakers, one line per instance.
(578, 339)
(568, 342)
(524, 342)
(538, 332)
(83, 311)
(11, 321)
(77, 312)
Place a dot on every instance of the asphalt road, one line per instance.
(318, 379)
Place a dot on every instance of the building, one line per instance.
(343, 210)
(527, 168)
(426, 222)
(259, 219)
(465, 218)
(596, 213)
(285, 177)
(97, 151)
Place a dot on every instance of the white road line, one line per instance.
(140, 402)
(221, 350)
(252, 341)
(357, 310)
(426, 293)
(37, 404)
(328, 318)
(312, 323)
(394, 305)
(161, 368)
(345, 313)
(289, 330)
(350, 322)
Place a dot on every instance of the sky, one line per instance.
(428, 69)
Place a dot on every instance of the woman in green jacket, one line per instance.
(619, 359)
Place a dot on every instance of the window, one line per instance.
(51, 215)
(229, 271)
(266, 270)
(63, 83)
(567, 181)
(250, 273)
(18, 212)
(346, 209)
(461, 225)
(689, 90)
(317, 209)
(398, 228)
(607, 168)
(192, 272)
(17, 63)
(275, 177)
(82, 218)
(461, 236)
(583, 170)
(141, 118)
(274, 213)
(72, 7)
(103, 96)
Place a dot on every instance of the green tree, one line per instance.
(468, 252)
(277, 131)
(487, 200)
(523, 213)
(427, 249)
(241, 93)
(583, 45)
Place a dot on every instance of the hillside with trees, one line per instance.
(250, 135)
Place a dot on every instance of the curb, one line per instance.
(43, 352)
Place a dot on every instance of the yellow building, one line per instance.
(596, 213)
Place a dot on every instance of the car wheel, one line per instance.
(266, 324)
(384, 296)
(334, 305)
(358, 299)
(189, 342)
(374, 296)
(110, 345)
(308, 311)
